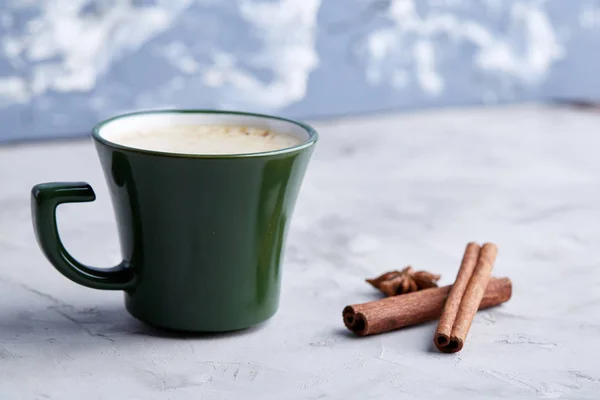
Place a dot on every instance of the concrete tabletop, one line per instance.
(381, 192)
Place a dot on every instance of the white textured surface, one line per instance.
(69, 45)
(69, 49)
(522, 52)
(380, 193)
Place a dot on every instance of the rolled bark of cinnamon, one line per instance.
(465, 296)
(397, 312)
(469, 262)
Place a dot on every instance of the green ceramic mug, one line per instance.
(202, 236)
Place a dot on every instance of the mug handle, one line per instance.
(45, 197)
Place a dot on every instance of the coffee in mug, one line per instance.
(203, 202)
(206, 139)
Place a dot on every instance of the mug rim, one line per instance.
(312, 134)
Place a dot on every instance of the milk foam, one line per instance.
(205, 139)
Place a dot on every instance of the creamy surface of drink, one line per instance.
(205, 139)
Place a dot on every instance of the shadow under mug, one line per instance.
(202, 236)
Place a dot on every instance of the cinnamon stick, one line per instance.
(469, 262)
(414, 308)
(465, 297)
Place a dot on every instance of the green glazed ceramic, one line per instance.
(202, 236)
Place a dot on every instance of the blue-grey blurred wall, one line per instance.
(66, 64)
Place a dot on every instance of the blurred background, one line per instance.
(67, 64)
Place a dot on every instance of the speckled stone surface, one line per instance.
(381, 192)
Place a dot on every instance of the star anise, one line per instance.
(400, 282)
